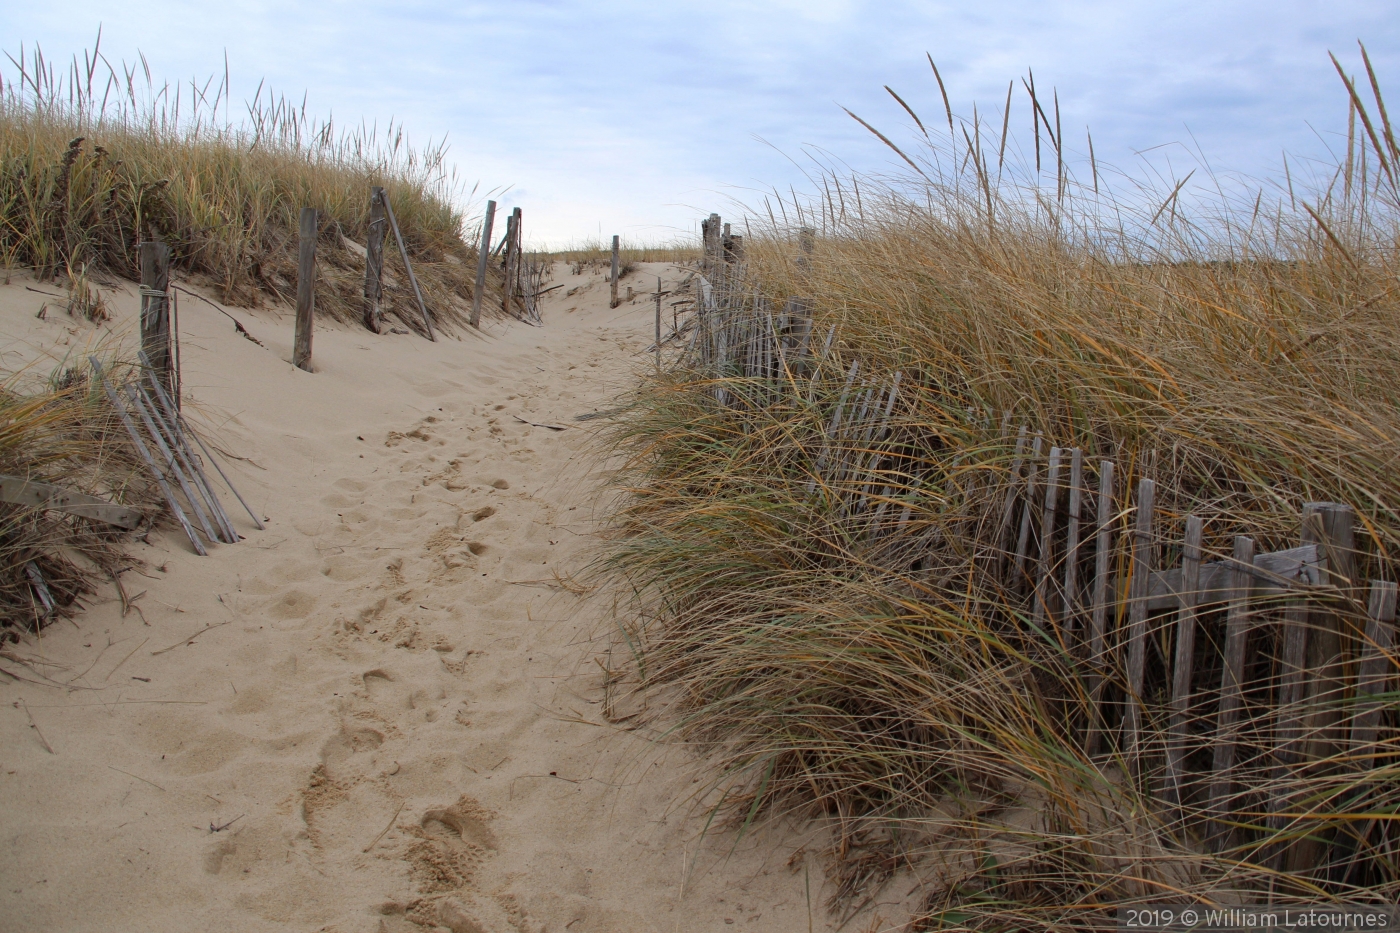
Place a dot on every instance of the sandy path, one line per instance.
(393, 651)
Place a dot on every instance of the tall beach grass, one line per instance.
(95, 157)
(1237, 346)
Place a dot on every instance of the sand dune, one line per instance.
(392, 718)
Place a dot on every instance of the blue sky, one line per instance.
(636, 118)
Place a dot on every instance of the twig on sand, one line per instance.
(534, 424)
(124, 660)
(137, 776)
(385, 830)
(191, 639)
(221, 828)
(35, 726)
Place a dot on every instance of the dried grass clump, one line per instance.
(830, 660)
(64, 433)
(94, 160)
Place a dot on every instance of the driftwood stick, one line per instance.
(1183, 666)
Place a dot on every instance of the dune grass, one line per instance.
(1239, 350)
(95, 157)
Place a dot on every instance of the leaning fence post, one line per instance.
(408, 267)
(306, 289)
(612, 278)
(155, 311)
(483, 258)
(374, 258)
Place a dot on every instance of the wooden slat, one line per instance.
(1075, 507)
(222, 528)
(1137, 625)
(483, 259)
(155, 309)
(171, 463)
(17, 490)
(1183, 665)
(145, 455)
(1045, 582)
(1023, 540)
(1376, 672)
(1008, 510)
(188, 432)
(1098, 616)
(1231, 688)
(1274, 572)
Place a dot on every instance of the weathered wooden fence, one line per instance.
(1228, 685)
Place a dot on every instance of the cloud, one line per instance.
(640, 116)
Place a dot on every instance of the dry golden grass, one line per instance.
(832, 661)
(93, 161)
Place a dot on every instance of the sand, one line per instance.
(395, 722)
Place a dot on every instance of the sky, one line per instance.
(637, 118)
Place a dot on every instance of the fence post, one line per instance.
(658, 323)
(482, 259)
(155, 311)
(306, 289)
(374, 258)
(613, 276)
(512, 254)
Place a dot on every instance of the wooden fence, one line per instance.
(1229, 686)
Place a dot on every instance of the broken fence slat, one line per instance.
(17, 490)
(1024, 539)
(191, 432)
(145, 454)
(171, 425)
(223, 531)
(170, 461)
(1274, 572)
